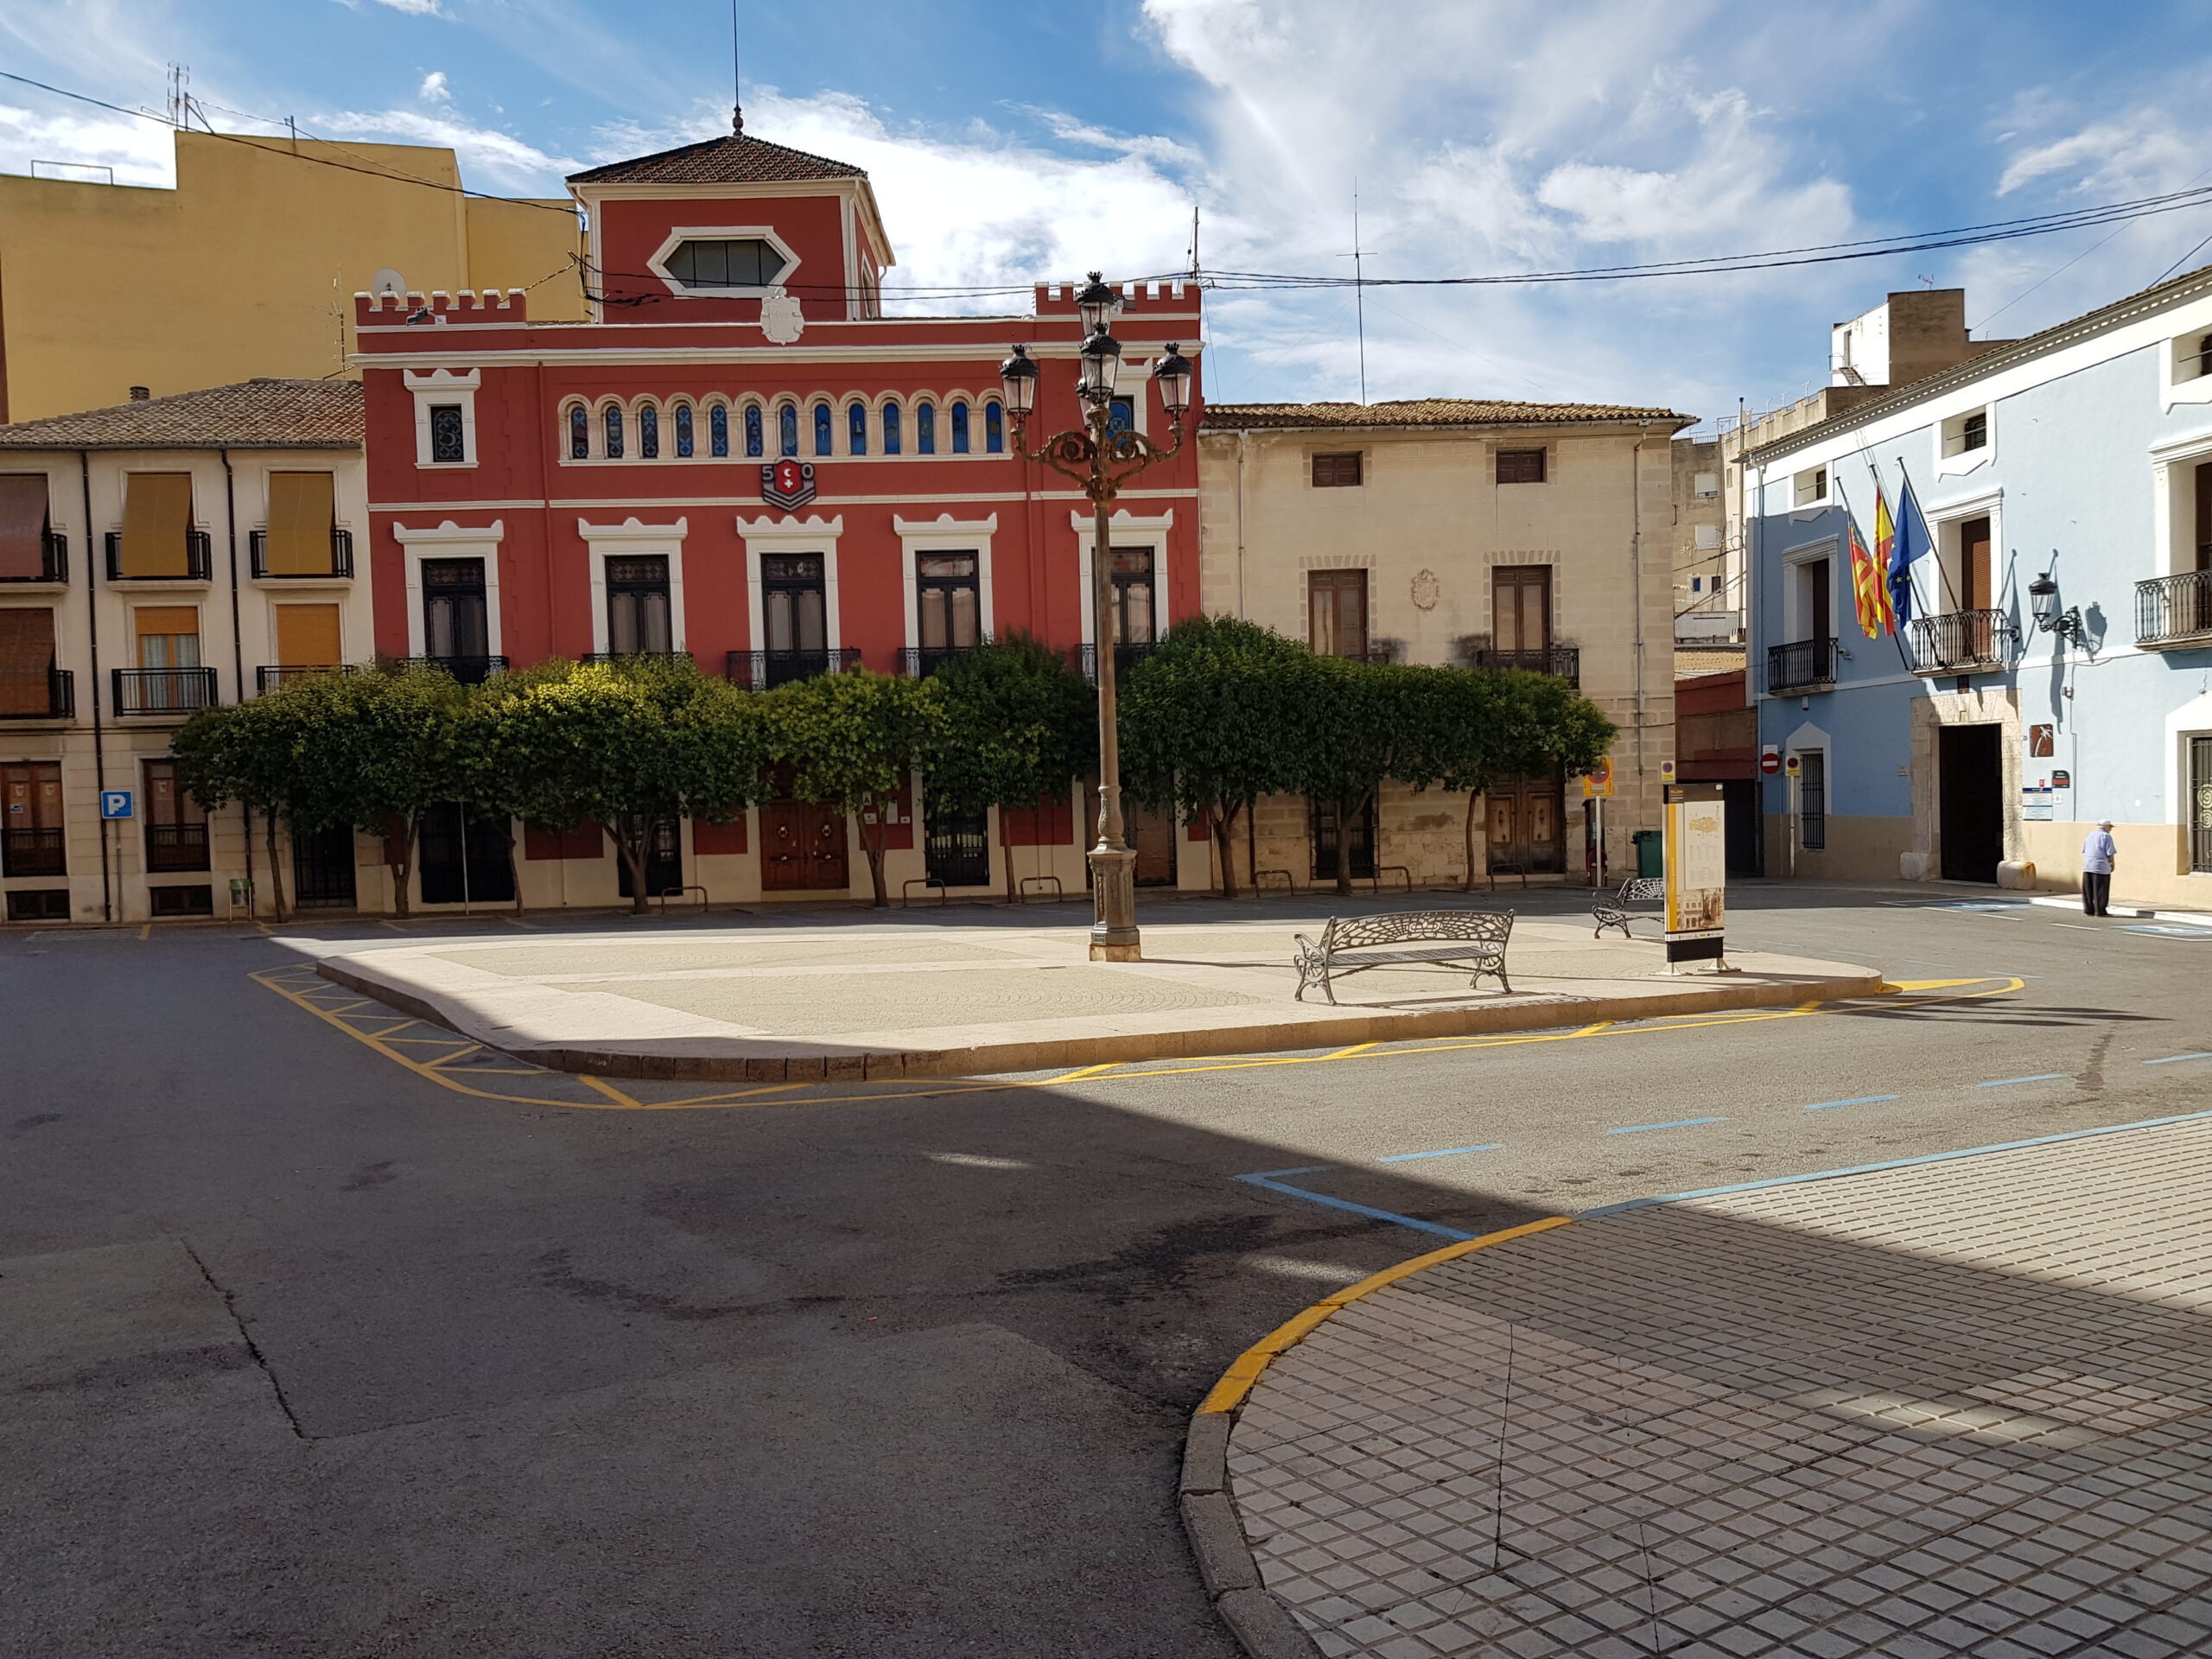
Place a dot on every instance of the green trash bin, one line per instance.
(1650, 852)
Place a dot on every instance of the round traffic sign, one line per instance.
(1770, 762)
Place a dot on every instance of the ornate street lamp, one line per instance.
(2042, 601)
(1101, 460)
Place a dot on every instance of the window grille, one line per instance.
(613, 418)
(448, 439)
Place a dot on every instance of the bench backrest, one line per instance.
(1352, 932)
(1643, 889)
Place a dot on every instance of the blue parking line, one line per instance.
(1679, 1123)
(2040, 1076)
(2175, 1060)
(1863, 1100)
(1447, 1152)
(1267, 1179)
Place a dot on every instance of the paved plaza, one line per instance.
(765, 1003)
(1955, 1408)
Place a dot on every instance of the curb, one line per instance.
(2195, 917)
(1261, 1624)
(803, 1063)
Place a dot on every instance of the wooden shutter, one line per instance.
(22, 526)
(1337, 612)
(303, 507)
(30, 792)
(166, 624)
(2204, 511)
(26, 660)
(156, 517)
(1336, 472)
(306, 636)
(1973, 565)
(1520, 466)
(1521, 606)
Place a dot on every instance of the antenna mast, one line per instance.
(736, 78)
(1359, 287)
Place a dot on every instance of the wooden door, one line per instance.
(306, 636)
(1151, 835)
(30, 819)
(802, 848)
(1526, 835)
(1521, 607)
(1336, 613)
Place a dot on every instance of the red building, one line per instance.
(739, 457)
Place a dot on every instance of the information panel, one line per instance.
(1697, 871)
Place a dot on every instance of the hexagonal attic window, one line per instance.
(748, 262)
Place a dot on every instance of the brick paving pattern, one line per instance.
(1959, 1408)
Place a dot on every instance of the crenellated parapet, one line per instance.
(1058, 299)
(493, 305)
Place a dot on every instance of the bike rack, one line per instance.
(925, 882)
(1290, 881)
(1022, 893)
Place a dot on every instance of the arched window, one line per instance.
(925, 429)
(994, 430)
(614, 418)
(787, 429)
(822, 430)
(579, 433)
(649, 433)
(718, 430)
(891, 446)
(960, 428)
(684, 431)
(754, 445)
(856, 430)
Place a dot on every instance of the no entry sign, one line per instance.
(1769, 760)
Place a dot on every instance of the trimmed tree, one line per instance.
(1204, 717)
(243, 752)
(1017, 724)
(1352, 725)
(375, 750)
(848, 739)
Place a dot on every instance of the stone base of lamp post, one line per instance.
(1114, 935)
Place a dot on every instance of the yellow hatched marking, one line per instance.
(609, 1090)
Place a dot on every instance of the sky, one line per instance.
(1013, 142)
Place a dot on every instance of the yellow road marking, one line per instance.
(1241, 1378)
(146, 933)
(1346, 1053)
(451, 1060)
(609, 1090)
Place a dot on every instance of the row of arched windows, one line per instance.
(918, 426)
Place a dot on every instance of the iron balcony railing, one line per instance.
(637, 657)
(341, 558)
(196, 560)
(32, 852)
(269, 676)
(1563, 661)
(171, 847)
(20, 698)
(1801, 665)
(2174, 610)
(53, 559)
(759, 670)
(914, 661)
(1085, 659)
(1961, 642)
(469, 670)
(163, 690)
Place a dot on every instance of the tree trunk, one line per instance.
(405, 868)
(872, 845)
(1474, 799)
(276, 870)
(1344, 849)
(514, 870)
(630, 843)
(1224, 823)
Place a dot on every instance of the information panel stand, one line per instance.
(1697, 875)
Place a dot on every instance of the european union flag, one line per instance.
(1913, 541)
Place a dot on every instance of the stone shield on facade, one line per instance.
(787, 484)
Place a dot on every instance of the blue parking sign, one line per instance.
(115, 803)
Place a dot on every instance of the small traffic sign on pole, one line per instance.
(1792, 766)
(1597, 782)
(115, 804)
(1769, 760)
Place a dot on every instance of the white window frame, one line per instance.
(1821, 502)
(1795, 626)
(449, 540)
(1965, 461)
(945, 534)
(1943, 521)
(444, 386)
(1127, 530)
(2174, 387)
(816, 535)
(658, 263)
(2173, 511)
(631, 538)
(2192, 719)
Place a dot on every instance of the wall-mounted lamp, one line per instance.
(2043, 600)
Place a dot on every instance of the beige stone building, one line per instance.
(1448, 531)
(1709, 567)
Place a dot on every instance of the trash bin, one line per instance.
(1650, 852)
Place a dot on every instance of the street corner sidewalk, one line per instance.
(795, 1003)
(1954, 1407)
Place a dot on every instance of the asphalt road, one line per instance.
(303, 1353)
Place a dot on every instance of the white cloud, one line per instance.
(415, 7)
(433, 89)
(487, 156)
(140, 152)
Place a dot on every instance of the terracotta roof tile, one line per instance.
(263, 413)
(1427, 411)
(733, 160)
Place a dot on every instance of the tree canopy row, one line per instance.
(1220, 714)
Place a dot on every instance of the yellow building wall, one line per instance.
(247, 267)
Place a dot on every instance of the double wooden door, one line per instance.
(802, 848)
(1526, 834)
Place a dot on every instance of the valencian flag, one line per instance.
(1870, 596)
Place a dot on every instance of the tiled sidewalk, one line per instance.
(1961, 1407)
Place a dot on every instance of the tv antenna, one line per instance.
(1357, 255)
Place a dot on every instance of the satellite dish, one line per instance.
(389, 281)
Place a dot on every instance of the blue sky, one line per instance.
(1010, 142)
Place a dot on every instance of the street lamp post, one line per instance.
(1101, 460)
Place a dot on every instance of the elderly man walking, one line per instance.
(2097, 852)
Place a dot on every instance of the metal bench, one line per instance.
(1474, 939)
(1640, 898)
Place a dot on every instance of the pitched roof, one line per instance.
(260, 413)
(734, 159)
(1428, 411)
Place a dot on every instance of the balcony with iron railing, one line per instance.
(163, 690)
(1961, 642)
(763, 671)
(341, 565)
(1085, 659)
(469, 670)
(2172, 611)
(1801, 665)
(269, 676)
(915, 661)
(32, 852)
(53, 560)
(26, 695)
(195, 560)
(1563, 662)
(683, 656)
(172, 847)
